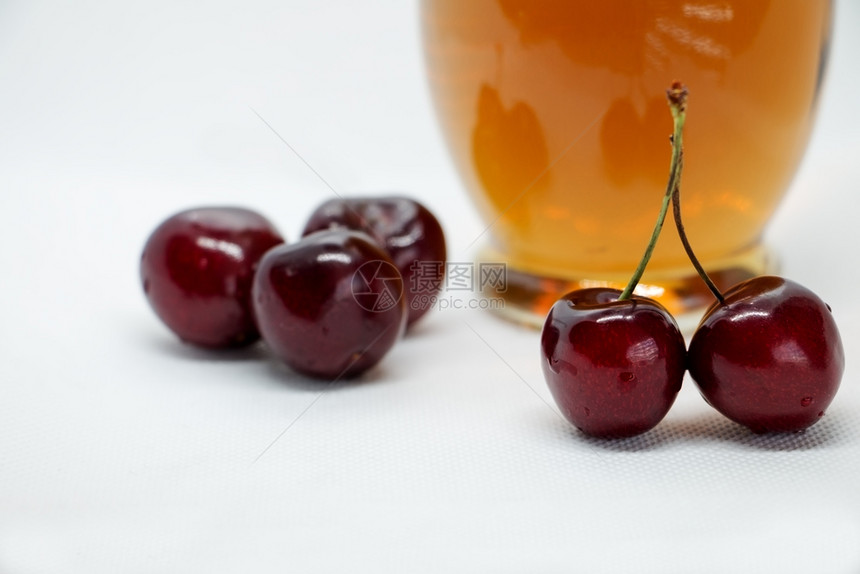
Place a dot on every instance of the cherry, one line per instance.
(769, 356)
(407, 230)
(331, 305)
(614, 362)
(197, 268)
(614, 367)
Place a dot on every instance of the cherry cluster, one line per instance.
(767, 354)
(330, 305)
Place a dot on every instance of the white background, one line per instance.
(123, 451)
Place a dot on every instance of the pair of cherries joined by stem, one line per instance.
(330, 305)
(767, 354)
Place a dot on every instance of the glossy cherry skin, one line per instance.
(312, 306)
(770, 357)
(407, 230)
(614, 367)
(197, 268)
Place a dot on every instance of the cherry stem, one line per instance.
(677, 96)
(679, 225)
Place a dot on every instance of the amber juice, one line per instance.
(556, 118)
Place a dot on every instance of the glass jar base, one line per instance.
(527, 297)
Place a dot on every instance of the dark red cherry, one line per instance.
(614, 367)
(330, 306)
(770, 357)
(197, 268)
(407, 230)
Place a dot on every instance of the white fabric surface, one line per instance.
(124, 451)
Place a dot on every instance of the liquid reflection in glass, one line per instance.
(555, 117)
